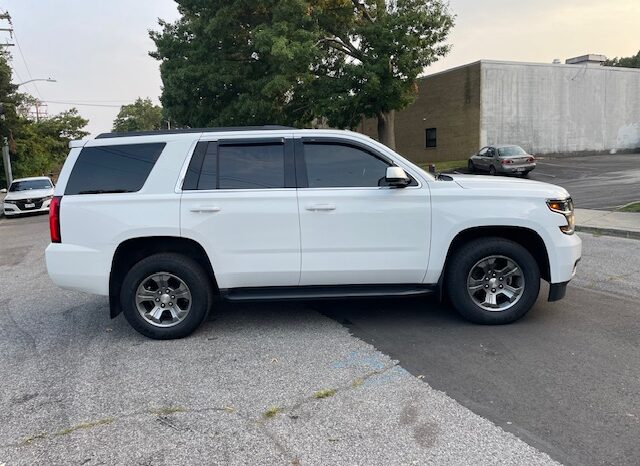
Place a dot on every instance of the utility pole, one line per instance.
(7, 161)
(7, 29)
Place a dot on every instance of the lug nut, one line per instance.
(170, 304)
(500, 279)
(486, 286)
(173, 297)
(162, 305)
(157, 300)
(493, 290)
(500, 286)
(159, 291)
(167, 290)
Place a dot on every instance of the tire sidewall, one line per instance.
(188, 271)
(467, 256)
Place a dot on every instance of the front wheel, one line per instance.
(492, 281)
(166, 296)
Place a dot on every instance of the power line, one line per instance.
(26, 65)
(80, 103)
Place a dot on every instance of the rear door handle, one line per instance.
(206, 209)
(317, 207)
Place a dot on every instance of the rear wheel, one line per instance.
(166, 296)
(492, 281)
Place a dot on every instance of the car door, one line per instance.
(491, 157)
(353, 228)
(239, 202)
(481, 159)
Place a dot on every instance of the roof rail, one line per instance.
(126, 134)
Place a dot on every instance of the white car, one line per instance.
(27, 195)
(161, 222)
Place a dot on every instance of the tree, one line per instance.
(142, 115)
(236, 62)
(291, 61)
(626, 62)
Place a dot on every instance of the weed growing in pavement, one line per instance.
(324, 393)
(271, 411)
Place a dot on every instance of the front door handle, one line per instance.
(205, 209)
(317, 207)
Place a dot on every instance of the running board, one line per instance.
(324, 292)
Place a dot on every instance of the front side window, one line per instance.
(113, 169)
(331, 165)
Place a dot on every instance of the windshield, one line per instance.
(511, 150)
(29, 184)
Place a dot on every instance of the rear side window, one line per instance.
(237, 166)
(113, 169)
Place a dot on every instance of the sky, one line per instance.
(98, 50)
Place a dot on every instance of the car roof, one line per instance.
(499, 146)
(221, 129)
(32, 178)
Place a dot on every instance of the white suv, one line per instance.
(162, 222)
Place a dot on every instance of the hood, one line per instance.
(512, 186)
(29, 194)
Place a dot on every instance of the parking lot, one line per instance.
(595, 181)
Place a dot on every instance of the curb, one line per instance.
(629, 234)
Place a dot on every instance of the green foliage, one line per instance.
(245, 62)
(626, 62)
(36, 148)
(142, 115)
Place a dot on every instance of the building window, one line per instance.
(431, 140)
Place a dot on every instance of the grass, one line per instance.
(633, 207)
(447, 165)
(271, 411)
(324, 393)
(85, 425)
(168, 410)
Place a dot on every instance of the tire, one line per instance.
(471, 166)
(190, 308)
(464, 268)
(525, 174)
(492, 170)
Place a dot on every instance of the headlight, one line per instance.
(8, 201)
(564, 207)
(47, 198)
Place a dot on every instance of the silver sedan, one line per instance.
(502, 158)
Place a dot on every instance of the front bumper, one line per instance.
(16, 209)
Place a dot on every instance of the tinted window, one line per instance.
(113, 169)
(431, 139)
(337, 165)
(251, 166)
(29, 185)
(209, 173)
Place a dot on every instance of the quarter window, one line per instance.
(113, 169)
(331, 165)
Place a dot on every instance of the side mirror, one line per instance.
(3, 190)
(397, 177)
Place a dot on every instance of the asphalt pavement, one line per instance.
(594, 181)
(564, 378)
(257, 384)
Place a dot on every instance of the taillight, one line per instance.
(507, 161)
(54, 219)
(531, 159)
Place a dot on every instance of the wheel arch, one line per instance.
(524, 236)
(132, 250)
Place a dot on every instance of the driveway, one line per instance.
(257, 384)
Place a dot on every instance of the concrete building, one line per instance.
(577, 107)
